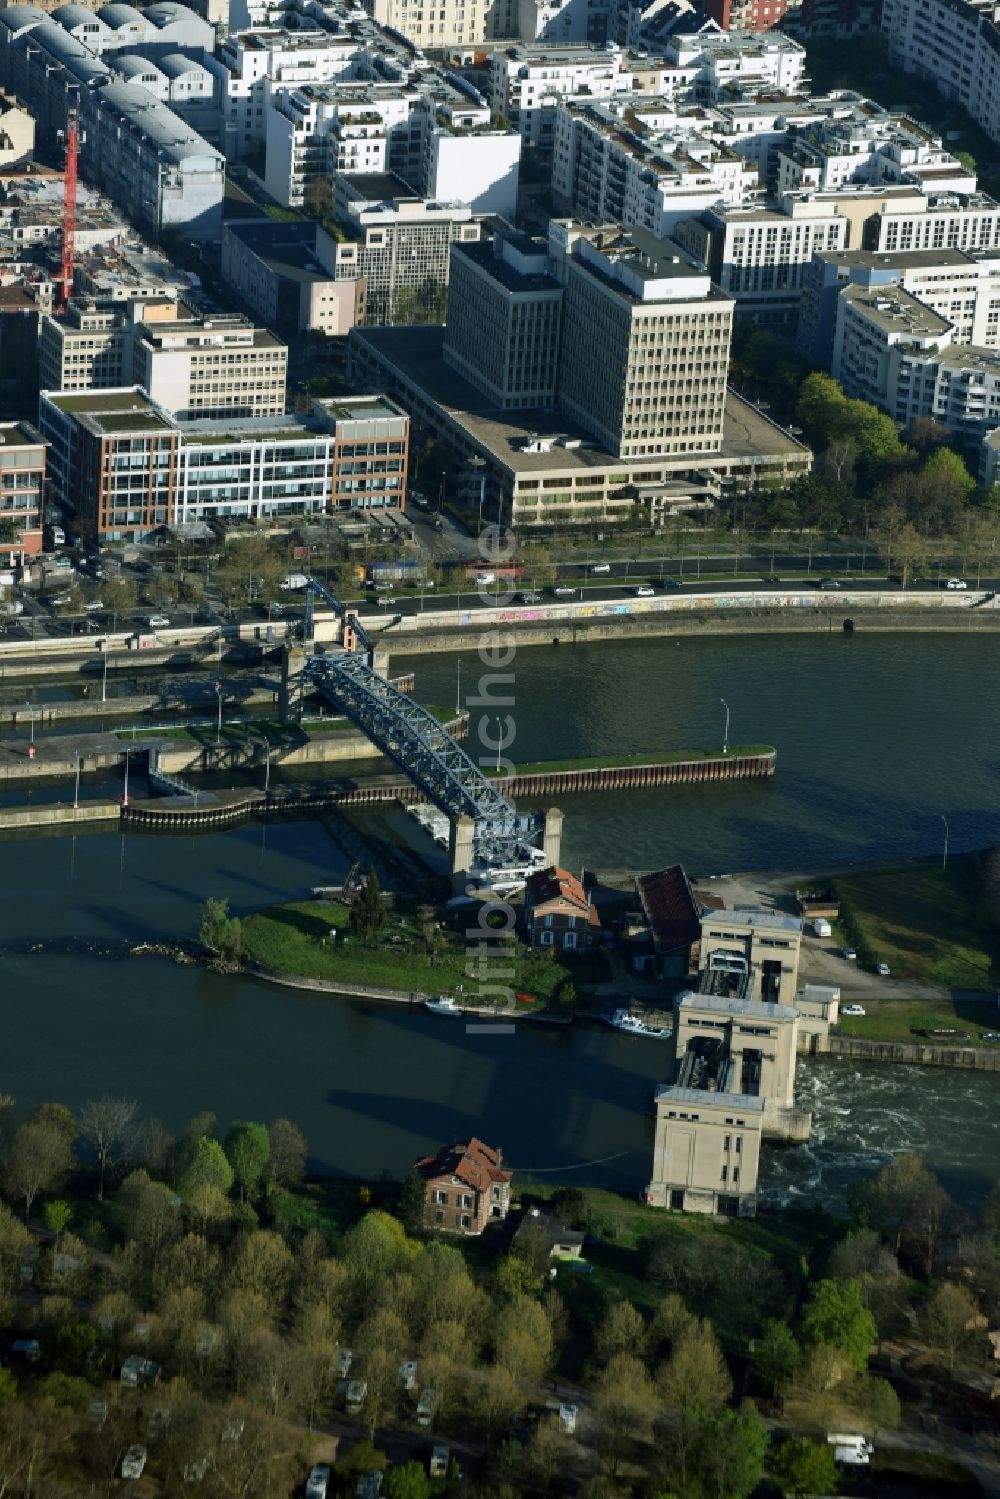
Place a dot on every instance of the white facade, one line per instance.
(955, 46)
(480, 169)
(253, 65)
(724, 61)
(527, 83)
(452, 24)
(859, 148)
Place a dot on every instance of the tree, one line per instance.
(207, 1166)
(623, 1407)
(836, 1314)
(775, 1356)
(803, 1468)
(263, 1264)
(118, 594)
(695, 1378)
(56, 1216)
(248, 1149)
(407, 1481)
(219, 932)
(948, 471)
(287, 1162)
(411, 1202)
(8, 1386)
(14, 1240)
(107, 1124)
(622, 1331)
(727, 1456)
(368, 913)
(38, 1161)
(949, 1322)
(148, 1212)
(373, 1248)
(522, 1338)
(495, 1398)
(908, 1204)
(863, 1255)
(910, 552)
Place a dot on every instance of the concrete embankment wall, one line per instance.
(13, 818)
(736, 622)
(921, 1054)
(625, 777)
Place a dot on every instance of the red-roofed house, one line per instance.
(558, 912)
(465, 1187)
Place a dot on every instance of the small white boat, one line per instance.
(443, 1005)
(634, 1025)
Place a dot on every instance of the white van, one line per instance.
(850, 1448)
(822, 927)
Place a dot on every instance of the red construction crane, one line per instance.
(66, 269)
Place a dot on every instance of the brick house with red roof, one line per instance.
(465, 1187)
(558, 912)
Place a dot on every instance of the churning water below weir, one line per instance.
(876, 736)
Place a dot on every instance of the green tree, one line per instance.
(118, 594)
(803, 1468)
(407, 1481)
(219, 932)
(374, 1248)
(248, 1149)
(412, 1195)
(728, 1454)
(836, 1314)
(8, 1386)
(206, 1166)
(368, 913)
(39, 1159)
(908, 1204)
(695, 1378)
(56, 1216)
(522, 1338)
(775, 1356)
(622, 1409)
(947, 470)
(14, 1240)
(622, 1331)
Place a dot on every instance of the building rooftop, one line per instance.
(416, 353)
(480, 252)
(754, 916)
(107, 412)
(723, 1004)
(670, 907)
(699, 1098)
(20, 435)
(897, 312)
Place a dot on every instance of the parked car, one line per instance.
(956, 583)
(93, 607)
(343, 1361)
(853, 1010)
(134, 1461)
(437, 1467)
(882, 969)
(318, 1482)
(829, 584)
(850, 954)
(530, 597)
(565, 592)
(645, 592)
(567, 1419)
(600, 567)
(158, 622)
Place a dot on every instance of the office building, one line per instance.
(504, 320)
(22, 488)
(124, 466)
(285, 273)
(645, 343)
(218, 366)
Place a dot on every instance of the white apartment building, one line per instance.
(892, 350)
(463, 159)
(869, 146)
(645, 342)
(315, 132)
(955, 45)
(937, 222)
(252, 65)
(628, 161)
(722, 62)
(527, 83)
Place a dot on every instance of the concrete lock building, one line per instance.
(735, 1047)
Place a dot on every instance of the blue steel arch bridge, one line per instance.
(415, 741)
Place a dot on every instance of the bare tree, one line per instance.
(108, 1124)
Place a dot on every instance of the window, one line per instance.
(439, 1216)
(545, 939)
(465, 1220)
(441, 1197)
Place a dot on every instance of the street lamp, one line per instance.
(725, 737)
(458, 686)
(104, 678)
(499, 721)
(125, 797)
(267, 767)
(218, 728)
(944, 857)
(78, 756)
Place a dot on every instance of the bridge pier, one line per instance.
(290, 695)
(461, 840)
(552, 837)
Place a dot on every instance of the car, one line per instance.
(850, 954)
(645, 592)
(93, 607)
(600, 567)
(882, 969)
(134, 1461)
(318, 1482)
(956, 583)
(564, 592)
(853, 1010)
(158, 622)
(529, 597)
(829, 584)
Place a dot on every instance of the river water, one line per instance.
(876, 737)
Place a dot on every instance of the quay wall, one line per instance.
(13, 818)
(920, 1054)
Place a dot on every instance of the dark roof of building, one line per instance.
(669, 907)
(474, 1163)
(556, 1232)
(506, 275)
(371, 187)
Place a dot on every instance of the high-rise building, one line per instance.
(645, 342)
(22, 484)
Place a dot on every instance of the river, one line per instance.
(876, 736)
